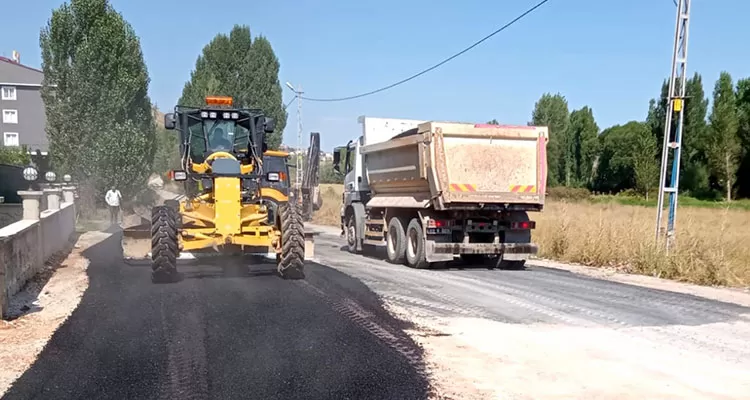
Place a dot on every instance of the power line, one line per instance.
(504, 27)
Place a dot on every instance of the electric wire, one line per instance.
(475, 44)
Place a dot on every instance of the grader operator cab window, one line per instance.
(217, 128)
(209, 136)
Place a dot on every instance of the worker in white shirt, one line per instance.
(113, 198)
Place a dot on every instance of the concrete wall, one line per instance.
(26, 245)
(10, 213)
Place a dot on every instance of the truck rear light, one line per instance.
(522, 225)
(438, 223)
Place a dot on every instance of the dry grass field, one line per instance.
(713, 247)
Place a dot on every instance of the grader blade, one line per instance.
(136, 242)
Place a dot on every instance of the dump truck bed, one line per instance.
(458, 165)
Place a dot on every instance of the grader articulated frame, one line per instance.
(233, 204)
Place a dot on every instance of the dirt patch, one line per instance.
(38, 310)
(472, 358)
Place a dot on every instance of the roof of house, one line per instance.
(8, 60)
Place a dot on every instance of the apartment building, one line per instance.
(22, 114)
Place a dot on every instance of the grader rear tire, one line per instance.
(164, 246)
(291, 260)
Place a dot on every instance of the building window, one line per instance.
(10, 116)
(10, 139)
(8, 93)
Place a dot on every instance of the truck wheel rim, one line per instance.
(350, 233)
(391, 244)
(412, 247)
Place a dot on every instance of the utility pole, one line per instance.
(298, 174)
(676, 104)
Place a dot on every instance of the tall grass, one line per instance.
(330, 212)
(711, 248)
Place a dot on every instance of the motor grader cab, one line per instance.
(235, 202)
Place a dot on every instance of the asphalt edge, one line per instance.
(736, 296)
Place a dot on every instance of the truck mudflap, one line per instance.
(436, 251)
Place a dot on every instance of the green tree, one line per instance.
(694, 178)
(99, 119)
(328, 175)
(743, 117)
(724, 149)
(244, 68)
(14, 155)
(552, 111)
(693, 166)
(493, 121)
(644, 159)
(622, 148)
(583, 144)
(657, 112)
(167, 151)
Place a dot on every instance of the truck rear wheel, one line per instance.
(291, 260)
(396, 241)
(415, 246)
(164, 245)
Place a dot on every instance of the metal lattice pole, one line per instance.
(676, 104)
(298, 175)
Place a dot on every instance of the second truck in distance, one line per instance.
(432, 191)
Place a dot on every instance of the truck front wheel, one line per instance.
(415, 246)
(351, 233)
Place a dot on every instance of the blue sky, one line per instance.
(596, 53)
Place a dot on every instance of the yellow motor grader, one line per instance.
(234, 204)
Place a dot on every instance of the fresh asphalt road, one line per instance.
(224, 332)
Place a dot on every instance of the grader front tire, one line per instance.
(291, 260)
(164, 246)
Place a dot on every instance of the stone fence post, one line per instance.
(32, 201)
(69, 194)
(53, 198)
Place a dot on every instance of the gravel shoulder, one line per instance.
(42, 306)
(562, 332)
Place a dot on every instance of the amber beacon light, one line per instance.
(219, 100)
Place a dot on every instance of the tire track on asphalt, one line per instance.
(418, 279)
(392, 337)
(184, 334)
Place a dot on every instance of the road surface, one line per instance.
(550, 333)
(537, 333)
(224, 332)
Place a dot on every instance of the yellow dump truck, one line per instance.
(431, 191)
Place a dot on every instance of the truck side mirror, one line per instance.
(337, 160)
(169, 121)
(269, 125)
